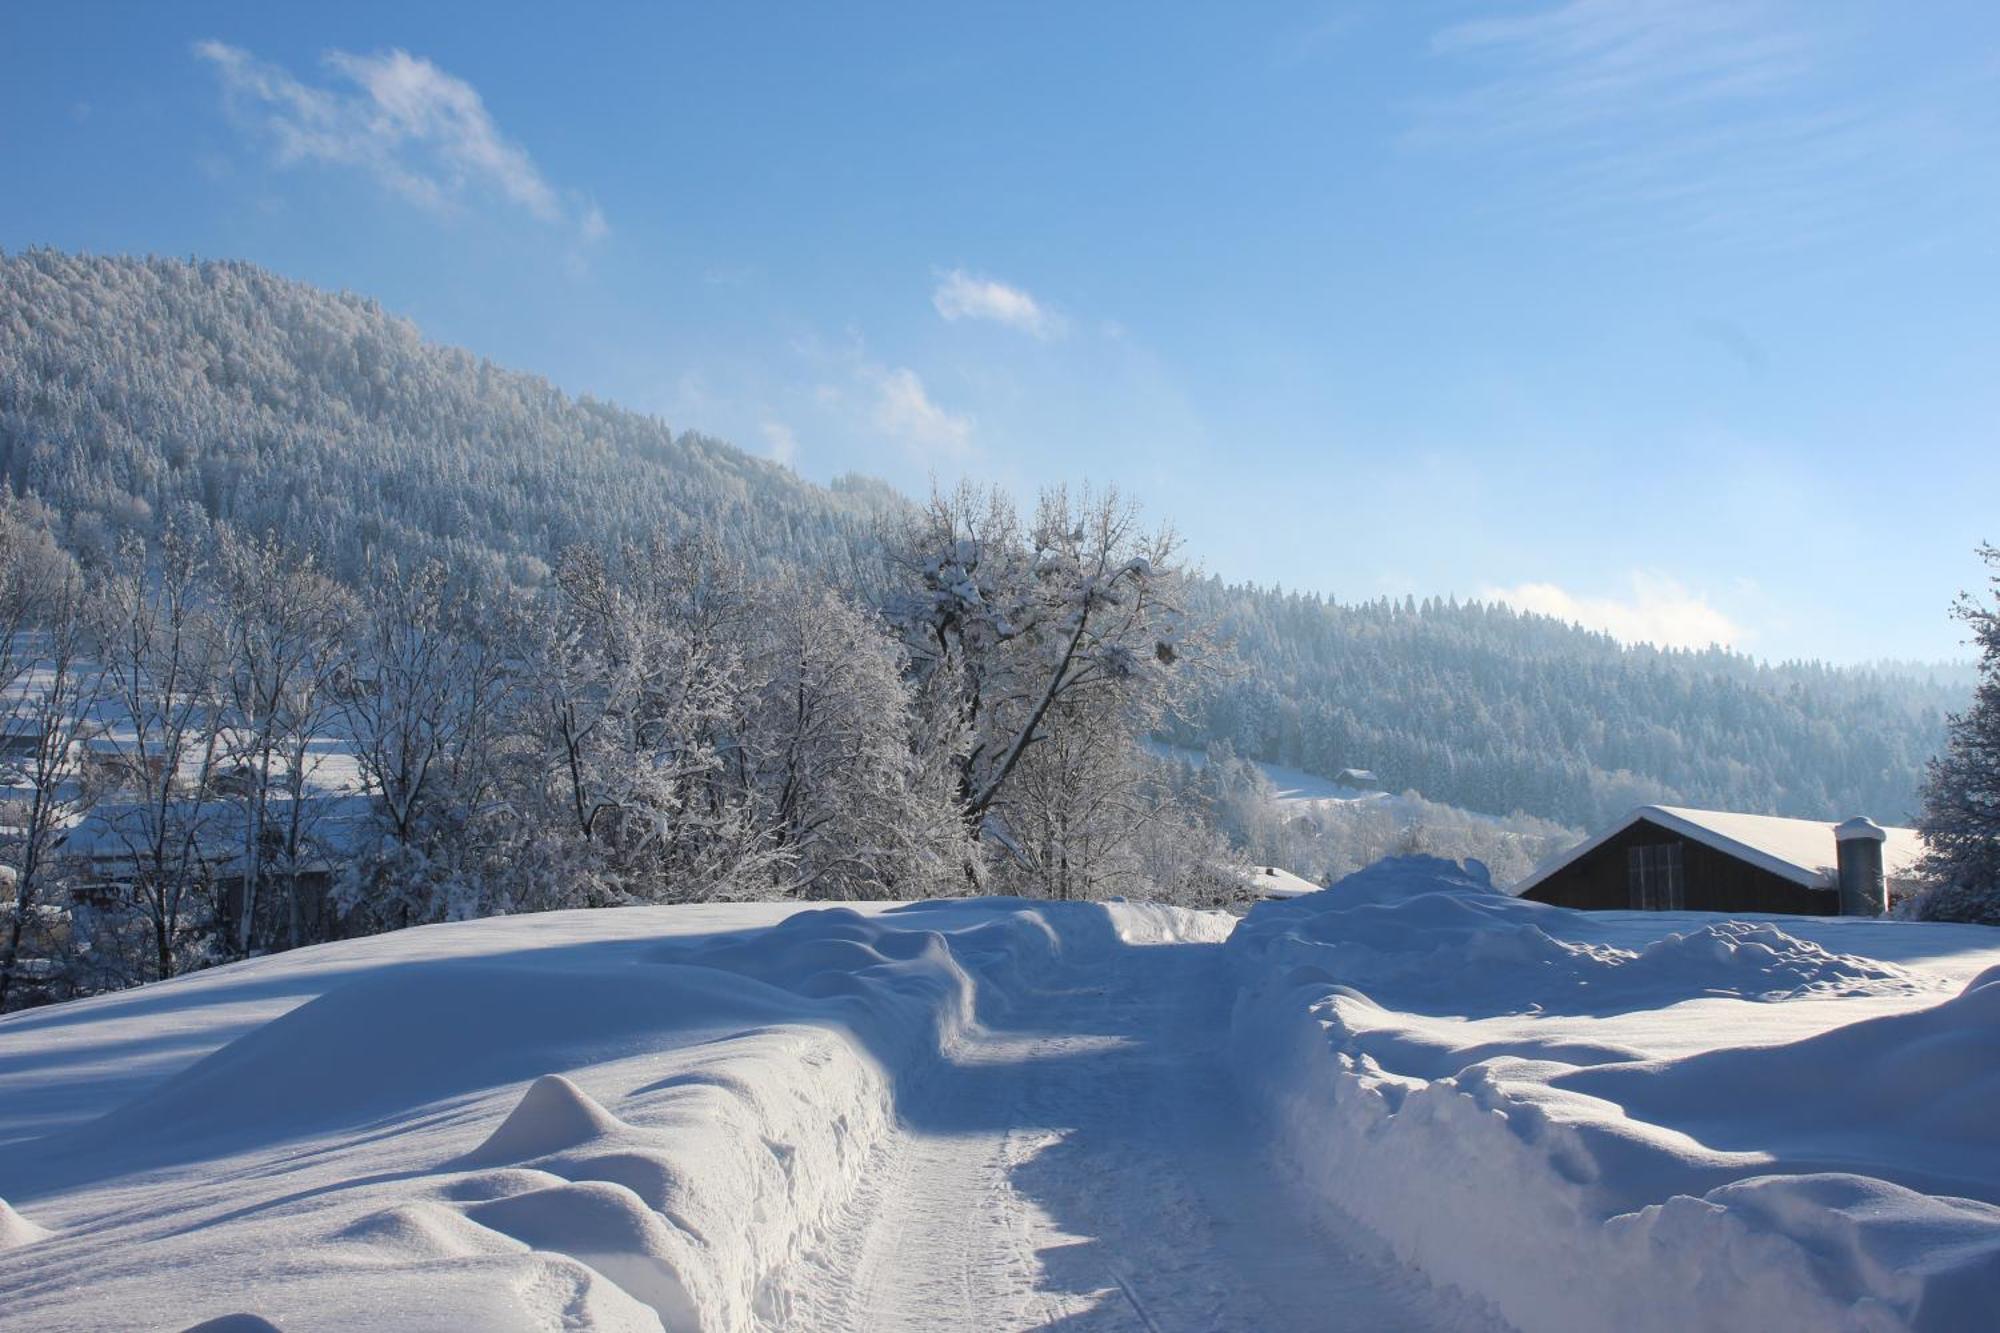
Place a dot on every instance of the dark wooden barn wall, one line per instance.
(1716, 881)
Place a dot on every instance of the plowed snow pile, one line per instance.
(1638, 1120)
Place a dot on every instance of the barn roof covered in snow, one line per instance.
(1800, 850)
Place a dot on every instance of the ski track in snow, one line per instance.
(1083, 1163)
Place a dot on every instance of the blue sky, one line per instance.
(1675, 316)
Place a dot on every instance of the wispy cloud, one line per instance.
(1578, 64)
(1738, 120)
(419, 131)
(901, 408)
(962, 295)
(1659, 610)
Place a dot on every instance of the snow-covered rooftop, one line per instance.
(1800, 850)
(1275, 882)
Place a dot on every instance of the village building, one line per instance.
(108, 846)
(1277, 882)
(1666, 858)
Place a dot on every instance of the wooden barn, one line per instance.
(1665, 858)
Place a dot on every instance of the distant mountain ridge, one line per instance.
(130, 388)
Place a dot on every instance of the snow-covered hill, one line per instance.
(993, 1113)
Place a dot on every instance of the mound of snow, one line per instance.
(552, 1115)
(1430, 936)
(1470, 1076)
(1915, 1095)
(610, 1229)
(16, 1230)
(1755, 959)
(234, 1323)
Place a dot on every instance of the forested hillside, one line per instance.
(130, 389)
(1481, 707)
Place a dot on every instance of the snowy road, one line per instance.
(1083, 1163)
(991, 1114)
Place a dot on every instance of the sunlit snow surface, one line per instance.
(1639, 1120)
(995, 1114)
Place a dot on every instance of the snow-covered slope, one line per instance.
(1634, 1120)
(1289, 786)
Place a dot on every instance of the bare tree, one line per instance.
(638, 693)
(159, 650)
(49, 716)
(424, 695)
(283, 624)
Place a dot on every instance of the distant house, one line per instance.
(1360, 779)
(1665, 858)
(1236, 886)
(1276, 882)
(108, 845)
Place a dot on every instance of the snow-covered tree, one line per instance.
(1063, 645)
(283, 627)
(638, 690)
(157, 639)
(425, 695)
(839, 766)
(1961, 818)
(47, 718)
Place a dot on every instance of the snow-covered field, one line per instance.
(1406, 1102)
(1289, 786)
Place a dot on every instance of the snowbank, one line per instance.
(628, 1120)
(1482, 1081)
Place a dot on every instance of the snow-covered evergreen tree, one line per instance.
(1961, 819)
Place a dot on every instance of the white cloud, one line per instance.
(417, 130)
(1660, 610)
(903, 409)
(961, 295)
(781, 442)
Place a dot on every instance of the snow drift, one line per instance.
(659, 1117)
(1471, 1076)
(631, 1129)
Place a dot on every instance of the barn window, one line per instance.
(1654, 876)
